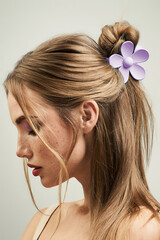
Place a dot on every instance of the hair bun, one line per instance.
(113, 36)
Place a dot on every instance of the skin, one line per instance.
(59, 136)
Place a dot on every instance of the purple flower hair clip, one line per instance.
(128, 61)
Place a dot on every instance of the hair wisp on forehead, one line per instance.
(69, 69)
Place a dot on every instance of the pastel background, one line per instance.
(24, 24)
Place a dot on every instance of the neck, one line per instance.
(83, 175)
(85, 203)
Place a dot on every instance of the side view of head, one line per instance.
(68, 71)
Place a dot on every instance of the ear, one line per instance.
(89, 115)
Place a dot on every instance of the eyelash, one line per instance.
(32, 132)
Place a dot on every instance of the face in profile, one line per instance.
(57, 134)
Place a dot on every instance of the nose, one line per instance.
(23, 150)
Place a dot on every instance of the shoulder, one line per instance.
(145, 226)
(38, 220)
(29, 232)
(33, 224)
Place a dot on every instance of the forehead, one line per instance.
(36, 107)
(14, 108)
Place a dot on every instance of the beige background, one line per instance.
(23, 25)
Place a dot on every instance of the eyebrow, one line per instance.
(22, 118)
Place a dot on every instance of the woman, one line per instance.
(80, 112)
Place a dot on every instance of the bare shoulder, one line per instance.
(145, 226)
(29, 232)
(44, 214)
(33, 224)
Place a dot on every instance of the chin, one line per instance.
(49, 184)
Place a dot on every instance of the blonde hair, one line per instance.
(67, 70)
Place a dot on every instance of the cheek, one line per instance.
(51, 167)
(46, 157)
(48, 160)
(44, 153)
(60, 140)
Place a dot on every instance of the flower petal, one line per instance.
(137, 72)
(127, 49)
(115, 60)
(125, 73)
(140, 56)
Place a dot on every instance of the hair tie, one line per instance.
(128, 61)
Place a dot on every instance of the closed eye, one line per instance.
(29, 129)
(32, 133)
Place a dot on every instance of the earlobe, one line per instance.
(89, 113)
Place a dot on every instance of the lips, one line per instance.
(36, 170)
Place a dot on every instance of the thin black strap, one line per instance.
(47, 221)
